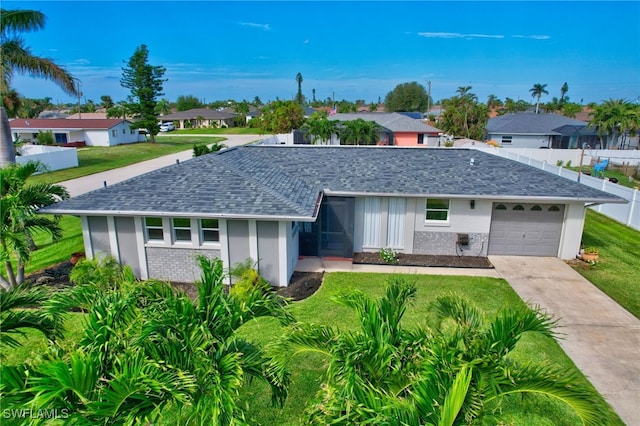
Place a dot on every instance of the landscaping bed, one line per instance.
(425, 260)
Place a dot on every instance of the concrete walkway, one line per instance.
(95, 181)
(600, 336)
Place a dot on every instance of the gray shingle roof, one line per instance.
(287, 181)
(391, 120)
(529, 123)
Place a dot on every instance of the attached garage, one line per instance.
(520, 229)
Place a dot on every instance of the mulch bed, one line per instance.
(301, 285)
(426, 260)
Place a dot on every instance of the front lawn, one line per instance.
(307, 371)
(618, 270)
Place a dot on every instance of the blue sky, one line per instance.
(238, 50)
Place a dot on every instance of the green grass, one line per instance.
(50, 252)
(307, 370)
(617, 273)
(623, 179)
(99, 159)
(227, 131)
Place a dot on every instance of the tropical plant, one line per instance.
(145, 83)
(281, 117)
(320, 128)
(450, 374)
(19, 202)
(19, 309)
(537, 91)
(359, 132)
(464, 115)
(563, 92)
(184, 103)
(407, 97)
(16, 57)
(147, 349)
(203, 149)
(615, 119)
(388, 255)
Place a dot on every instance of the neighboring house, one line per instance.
(199, 117)
(275, 203)
(531, 130)
(48, 114)
(87, 115)
(93, 132)
(248, 116)
(398, 129)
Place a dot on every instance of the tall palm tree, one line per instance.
(359, 132)
(450, 374)
(16, 57)
(538, 90)
(19, 201)
(563, 91)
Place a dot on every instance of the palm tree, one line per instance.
(451, 374)
(538, 90)
(563, 91)
(17, 57)
(615, 118)
(146, 349)
(18, 311)
(19, 202)
(320, 128)
(359, 132)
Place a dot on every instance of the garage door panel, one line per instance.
(534, 231)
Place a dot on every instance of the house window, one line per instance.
(507, 139)
(181, 228)
(518, 207)
(501, 207)
(209, 230)
(554, 209)
(153, 227)
(437, 210)
(420, 139)
(114, 132)
(536, 208)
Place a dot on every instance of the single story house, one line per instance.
(399, 129)
(531, 130)
(199, 117)
(275, 203)
(93, 132)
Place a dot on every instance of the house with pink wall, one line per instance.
(399, 129)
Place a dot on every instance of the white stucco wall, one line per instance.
(522, 141)
(572, 231)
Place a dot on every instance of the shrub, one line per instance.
(389, 256)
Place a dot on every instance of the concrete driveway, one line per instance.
(600, 336)
(95, 181)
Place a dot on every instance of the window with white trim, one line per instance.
(437, 210)
(209, 231)
(153, 228)
(181, 228)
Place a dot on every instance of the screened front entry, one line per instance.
(332, 233)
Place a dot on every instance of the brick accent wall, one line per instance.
(176, 264)
(444, 243)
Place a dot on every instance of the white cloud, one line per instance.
(264, 27)
(457, 35)
(533, 37)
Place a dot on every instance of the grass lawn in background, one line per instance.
(227, 131)
(99, 159)
(618, 270)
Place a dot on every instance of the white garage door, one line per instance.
(519, 229)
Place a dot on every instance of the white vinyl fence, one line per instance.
(628, 214)
(52, 157)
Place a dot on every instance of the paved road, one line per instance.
(601, 337)
(95, 181)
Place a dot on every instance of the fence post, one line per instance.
(634, 198)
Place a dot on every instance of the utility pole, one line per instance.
(79, 95)
(428, 97)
